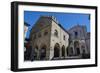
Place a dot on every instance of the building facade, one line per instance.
(79, 42)
(48, 39)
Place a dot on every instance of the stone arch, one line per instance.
(69, 51)
(57, 50)
(83, 48)
(43, 52)
(63, 51)
(36, 50)
(77, 47)
(34, 53)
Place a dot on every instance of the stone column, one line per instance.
(51, 53)
(65, 52)
(80, 48)
(60, 51)
(74, 51)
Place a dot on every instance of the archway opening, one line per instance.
(56, 50)
(43, 52)
(77, 48)
(83, 49)
(77, 51)
(70, 51)
(36, 52)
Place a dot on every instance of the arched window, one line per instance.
(75, 34)
(56, 33)
(64, 37)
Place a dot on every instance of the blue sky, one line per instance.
(67, 20)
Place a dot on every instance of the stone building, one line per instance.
(48, 39)
(79, 42)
